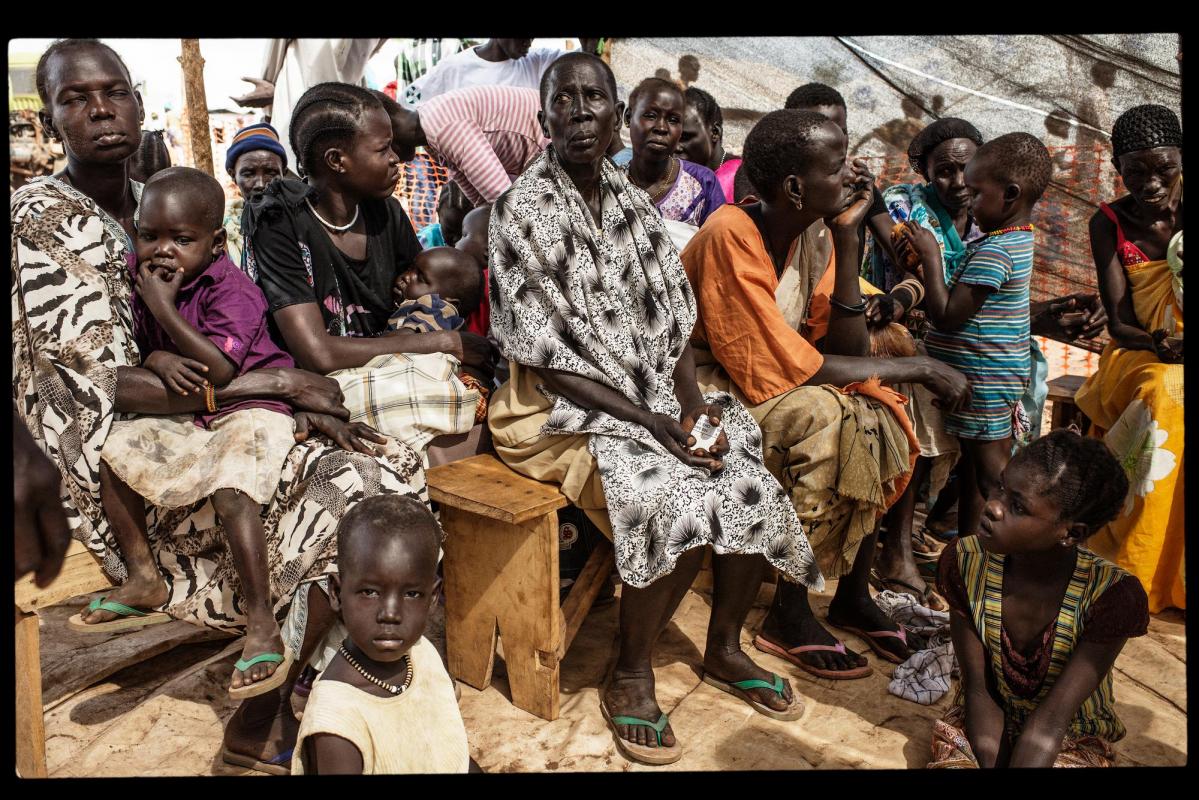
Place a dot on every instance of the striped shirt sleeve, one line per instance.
(480, 172)
(989, 265)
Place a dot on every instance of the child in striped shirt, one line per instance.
(980, 314)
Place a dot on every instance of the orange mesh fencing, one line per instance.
(420, 183)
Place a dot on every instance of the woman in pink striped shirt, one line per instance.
(483, 135)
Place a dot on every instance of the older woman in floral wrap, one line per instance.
(591, 305)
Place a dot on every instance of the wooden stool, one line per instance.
(80, 574)
(501, 577)
(1061, 395)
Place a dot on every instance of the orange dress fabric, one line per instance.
(729, 270)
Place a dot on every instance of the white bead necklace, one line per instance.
(330, 225)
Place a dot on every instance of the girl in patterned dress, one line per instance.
(1037, 619)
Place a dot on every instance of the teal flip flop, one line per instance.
(740, 689)
(129, 618)
(273, 681)
(654, 756)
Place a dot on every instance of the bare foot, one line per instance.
(631, 694)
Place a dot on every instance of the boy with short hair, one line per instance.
(980, 317)
(385, 704)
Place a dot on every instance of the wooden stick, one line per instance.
(197, 105)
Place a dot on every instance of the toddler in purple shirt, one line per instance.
(199, 322)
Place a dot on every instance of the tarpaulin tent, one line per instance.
(1066, 89)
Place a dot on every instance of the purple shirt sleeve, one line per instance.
(233, 315)
(713, 194)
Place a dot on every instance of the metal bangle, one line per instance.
(859, 308)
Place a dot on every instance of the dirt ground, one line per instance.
(164, 715)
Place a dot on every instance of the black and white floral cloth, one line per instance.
(612, 304)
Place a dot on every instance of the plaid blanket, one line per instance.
(413, 398)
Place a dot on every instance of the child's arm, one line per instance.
(158, 290)
(329, 754)
(947, 310)
(1044, 729)
(984, 717)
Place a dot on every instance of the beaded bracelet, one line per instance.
(859, 308)
(210, 397)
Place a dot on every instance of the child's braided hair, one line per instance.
(327, 114)
(1145, 127)
(705, 104)
(1081, 474)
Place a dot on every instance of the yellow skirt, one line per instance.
(1135, 403)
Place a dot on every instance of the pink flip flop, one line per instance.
(792, 656)
(871, 638)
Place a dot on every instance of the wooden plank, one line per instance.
(1064, 387)
(30, 726)
(81, 574)
(71, 661)
(483, 485)
(504, 576)
(584, 591)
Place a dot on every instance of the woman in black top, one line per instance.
(327, 252)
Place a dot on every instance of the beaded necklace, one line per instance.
(1012, 229)
(378, 682)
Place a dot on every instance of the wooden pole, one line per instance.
(197, 105)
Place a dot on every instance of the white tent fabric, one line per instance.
(894, 85)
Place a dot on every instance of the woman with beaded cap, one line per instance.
(1135, 397)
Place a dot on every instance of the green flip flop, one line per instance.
(128, 619)
(655, 756)
(740, 689)
(271, 682)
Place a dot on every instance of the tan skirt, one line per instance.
(843, 459)
(518, 411)
(172, 462)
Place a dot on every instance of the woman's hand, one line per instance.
(307, 391)
(182, 375)
(670, 434)
(158, 287)
(882, 309)
(950, 386)
(476, 351)
(1078, 315)
(849, 218)
(715, 413)
(1168, 348)
(352, 436)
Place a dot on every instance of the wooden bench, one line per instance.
(81, 574)
(1064, 411)
(501, 577)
